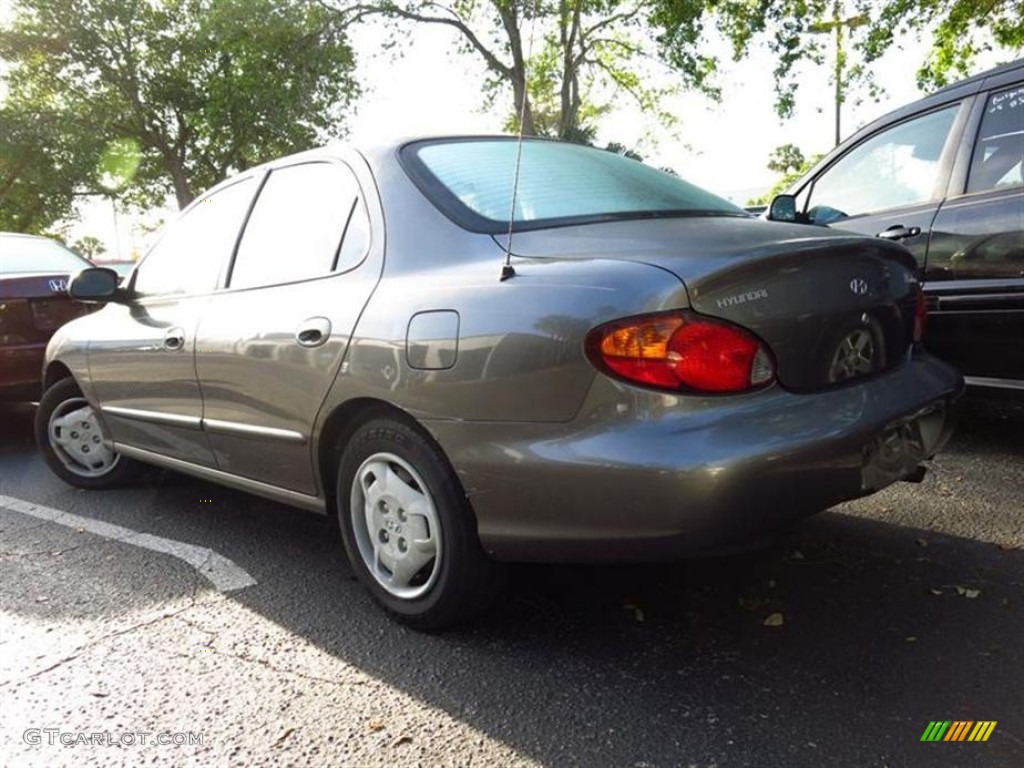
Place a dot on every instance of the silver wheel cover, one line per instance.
(396, 526)
(78, 440)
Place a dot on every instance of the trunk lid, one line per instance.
(832, 306)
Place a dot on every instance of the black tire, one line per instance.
(108, 470)
(391, 461)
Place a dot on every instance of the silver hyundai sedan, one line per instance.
(474, 350)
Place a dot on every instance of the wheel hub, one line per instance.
(855, 356)
(396, 526)
(78, 439)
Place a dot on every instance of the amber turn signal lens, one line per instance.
(682, 351)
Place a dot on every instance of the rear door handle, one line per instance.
(899, 232)
(174, 339)
(313, 331)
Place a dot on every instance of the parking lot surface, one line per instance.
(230, 627)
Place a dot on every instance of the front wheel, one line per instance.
(74, 443)
(408, 529)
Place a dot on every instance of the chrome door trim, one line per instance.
(272, 492)
(251, 430)
(988, 381)
(155, 417)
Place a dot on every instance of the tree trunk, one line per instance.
(182, 188)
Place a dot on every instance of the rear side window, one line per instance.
(472, 181)
(999, 152)
(899, 166)
(188, 258)
(296, 227)
(22, 253)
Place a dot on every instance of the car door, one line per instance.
(975, 266)
(142, 354)
(892, 182)
(270, 346)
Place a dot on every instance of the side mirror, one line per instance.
(782, 208)
(94, 284)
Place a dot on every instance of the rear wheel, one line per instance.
(408, 529)
(73, 442)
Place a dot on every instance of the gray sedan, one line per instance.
(474, 350)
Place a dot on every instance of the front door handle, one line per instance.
(899, 232)
(313, 331)
(174, 339)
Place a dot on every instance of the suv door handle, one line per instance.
(313, 331)
(174, 339)
(899, 232)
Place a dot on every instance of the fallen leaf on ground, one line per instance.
(775, 620)
(280, 739)
(970, 594)
(401, 740)
(637, 611)
(910, 639)
(375, 725)
(935, 591)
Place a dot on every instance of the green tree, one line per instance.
(563, 60)
(145, 98)
(789, 161)
(959, 30)
(861, 31)
(89, 246)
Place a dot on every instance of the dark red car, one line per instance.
(34, 303)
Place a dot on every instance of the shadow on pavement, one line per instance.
(881, 632)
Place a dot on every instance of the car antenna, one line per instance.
(507, 270)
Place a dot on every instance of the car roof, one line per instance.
(952, 92)
(981, 76)
(958, 90)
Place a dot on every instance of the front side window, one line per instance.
(189, 257)
(296, 227)
(472, 182)
(897, 167)
(999, 152)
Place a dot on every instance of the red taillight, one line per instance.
(920, 317)
(682, 351)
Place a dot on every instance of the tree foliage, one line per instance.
(789, 161)
(564, 61)
(139, 98)
(792, 31)
(89, 246)
(959, 29)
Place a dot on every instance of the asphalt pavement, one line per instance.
(230, 629)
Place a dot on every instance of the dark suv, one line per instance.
(944, 177)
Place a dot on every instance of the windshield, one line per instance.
(19, 253)
(471, 181)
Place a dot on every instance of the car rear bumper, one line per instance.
(641, 475)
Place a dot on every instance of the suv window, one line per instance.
(296, 226)
(189, 256)
(899, 166)
(999, 153)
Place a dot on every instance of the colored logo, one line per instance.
(958, 730)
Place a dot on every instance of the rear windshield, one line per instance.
(36, 254)
(471, 180)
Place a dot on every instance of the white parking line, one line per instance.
(217, 569)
